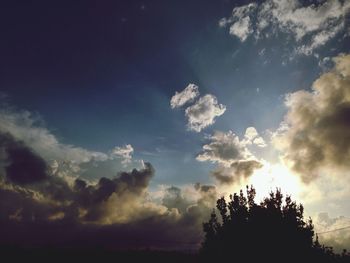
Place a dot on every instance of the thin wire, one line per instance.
(333, 230)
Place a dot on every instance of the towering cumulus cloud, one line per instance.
(315, 133)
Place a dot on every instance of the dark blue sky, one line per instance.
(101, 74)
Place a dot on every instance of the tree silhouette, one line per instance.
(272, 231)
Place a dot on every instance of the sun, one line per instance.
(273, 176)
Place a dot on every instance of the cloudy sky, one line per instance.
(123, 117)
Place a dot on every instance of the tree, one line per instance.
(272, 231)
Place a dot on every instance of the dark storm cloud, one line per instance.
(28, 221)
(93, 199)
(44, 202)
(315, 132)
(116, 212)
(21, 164)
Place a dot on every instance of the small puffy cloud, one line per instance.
(203, 113)
(185, 96)
(233, 158)
(124, 152)
(310, 25)
(315, 132)
(251, 136)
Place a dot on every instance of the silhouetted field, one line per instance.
(38, 255)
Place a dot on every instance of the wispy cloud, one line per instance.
(62, 159)
(124, 152)
(310, 25)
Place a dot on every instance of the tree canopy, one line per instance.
(273, 231)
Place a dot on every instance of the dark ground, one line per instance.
(51, 255)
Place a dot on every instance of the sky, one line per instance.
(126, 114)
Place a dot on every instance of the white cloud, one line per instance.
(185, 96)
(124, 152)
(203, 113)
(311, 26)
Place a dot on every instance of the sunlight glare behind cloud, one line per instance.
(273, 176)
